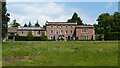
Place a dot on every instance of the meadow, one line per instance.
(61, 53)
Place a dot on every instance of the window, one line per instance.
(85, 30)
(71, 31)
(22, 32)
(56, 26)
(60, 26)
(57, 32)
(51, 37)
(66, 26)
(61, 31)
(38, 32)
(51, 31)
(66, 32)
(84, 37)
(51, 26)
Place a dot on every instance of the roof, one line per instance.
(30, 28)
(59, 23)
(85, 26)
(12, 29)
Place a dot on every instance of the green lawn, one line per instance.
(65, 53)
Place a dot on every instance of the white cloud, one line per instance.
(43, 11)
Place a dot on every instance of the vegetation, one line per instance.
(69, 53)
(37, 24)
(5, 19)
(29, 25)
(25, 25)
(108, 23)
(30, 37)
(15, 24)
(75, 19)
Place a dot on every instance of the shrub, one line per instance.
(30, 37)
(112, 36)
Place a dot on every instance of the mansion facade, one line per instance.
(57, 30)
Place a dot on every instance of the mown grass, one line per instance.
(69, 53)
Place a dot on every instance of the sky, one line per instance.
(24, 12)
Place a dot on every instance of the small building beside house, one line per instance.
(36, 31)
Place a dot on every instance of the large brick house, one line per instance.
(57, 30)
(69, 31)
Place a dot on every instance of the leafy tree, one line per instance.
(75, 19)
(15, 24)
(5, 19)
(25, 25)
(79, 21)
(116, 18)
(29, 25)
(37, 24)
(107, 23)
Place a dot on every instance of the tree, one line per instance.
(15, 24)
(79, 21)
(116, 18)
(29, 25)
(37, 24)
(5, 19)
(107, 24)
(75, 19)
(25, 25)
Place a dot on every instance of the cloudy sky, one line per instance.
(24, 12)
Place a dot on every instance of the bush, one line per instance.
(112, 36)
(30, 36)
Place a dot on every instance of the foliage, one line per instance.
(25, 25)
(30, 36)
(72, 53)
(112, 36)
(75, 19)
(5, 19)
(29, 25)
(37, 24)
(108, 23)
(15, 24)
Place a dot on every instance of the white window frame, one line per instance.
(85, 30)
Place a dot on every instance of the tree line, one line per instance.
(16, 24)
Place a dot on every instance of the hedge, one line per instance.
(25, 38)
(112, 36)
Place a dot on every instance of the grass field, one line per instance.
(69, 53)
